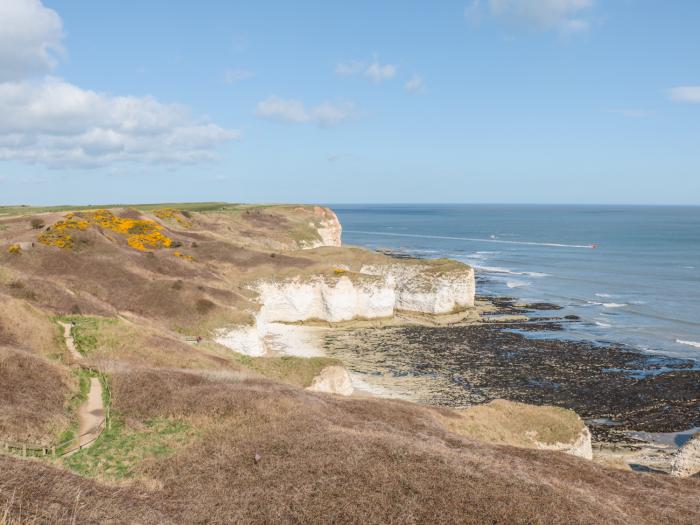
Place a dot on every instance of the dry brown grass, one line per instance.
(332, 460)
(34, 394)
(511, 423)
(325, 459)
(28, 327)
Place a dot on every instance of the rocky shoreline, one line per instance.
(616, 389)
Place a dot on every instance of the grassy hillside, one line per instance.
(139, 284)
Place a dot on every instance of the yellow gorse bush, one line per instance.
(183, 256)
(141, 235)
(15, 249)
(173, 214)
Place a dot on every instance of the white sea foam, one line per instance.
(603, 295)
(614, 305)
(517, 284)
(602, 325)
(495, 269)
(498, 269)
(689, 343)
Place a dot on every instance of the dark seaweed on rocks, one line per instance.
(485, 362)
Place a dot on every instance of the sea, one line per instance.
(631, 273)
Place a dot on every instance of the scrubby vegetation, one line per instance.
(190, 417)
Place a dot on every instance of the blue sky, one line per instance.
(537, 101)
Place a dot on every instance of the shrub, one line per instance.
(37, 224)
(204, 306)
(175, 244)
(15, 249)
(177, 285)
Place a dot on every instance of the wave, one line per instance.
(495, 269)
(689, 343)
(603, 295)
(498, 269)
(475, 239)
(516, 284)
(602, 325)
(614, 305)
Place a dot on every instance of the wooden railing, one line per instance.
(27, 449)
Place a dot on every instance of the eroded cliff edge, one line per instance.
(353, 285)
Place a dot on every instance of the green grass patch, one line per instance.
(85, 330)
(298, 371)
(68, 434)
(183, 206)
(118, 452)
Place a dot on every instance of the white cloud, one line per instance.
(233, 76)
(30, 39)
(379, 72)
(566, 16)
(293, 110)
(58, 124)
(374, 70)
(46, 120)
(685, 94)
(328, 115)
(283, 110)
(414, 84)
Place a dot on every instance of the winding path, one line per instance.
(91, 414)
(70, 342)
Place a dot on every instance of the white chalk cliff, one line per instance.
(686, 462)
(375, 292)
(327, 227)
(581, 447)
(332, 380)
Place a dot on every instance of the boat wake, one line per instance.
(474, 239)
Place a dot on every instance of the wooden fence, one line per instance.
(65, 448)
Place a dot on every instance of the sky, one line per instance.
(483, 101)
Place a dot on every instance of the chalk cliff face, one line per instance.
(328, 228)
(581, 447)
(327, 299)
(687, 460)
(333, 380)
(427, 289)
(375, 292)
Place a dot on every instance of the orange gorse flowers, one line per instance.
(183, 256)
(173, 214)
(141, 235)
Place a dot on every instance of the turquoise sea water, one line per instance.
(632, 273)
